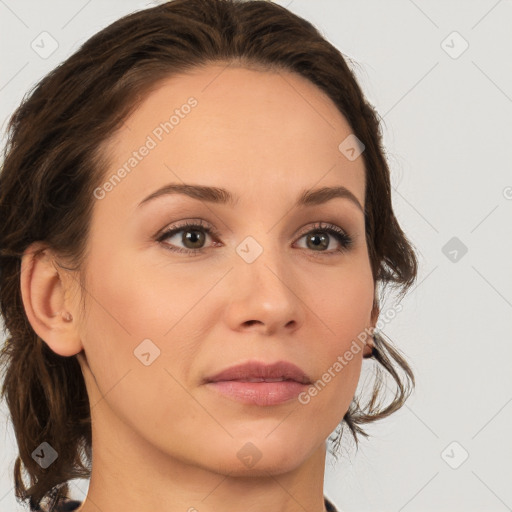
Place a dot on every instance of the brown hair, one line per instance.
(53, 162)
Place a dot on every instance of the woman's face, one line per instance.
(259, 280)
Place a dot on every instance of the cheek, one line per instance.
(131, 301)
(341, 298)
(342, 304)
(145, 299)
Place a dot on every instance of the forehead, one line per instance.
(241, 129)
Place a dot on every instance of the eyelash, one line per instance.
(345, 240)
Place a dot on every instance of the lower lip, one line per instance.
(259, 393)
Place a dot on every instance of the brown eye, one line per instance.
(191, 236)
(316, 240)
(319, 238)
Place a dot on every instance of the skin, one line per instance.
(161, 439)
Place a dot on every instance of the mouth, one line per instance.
(258, 383)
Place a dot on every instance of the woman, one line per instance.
(197, 219)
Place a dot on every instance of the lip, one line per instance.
(258, 370)
(260, 383)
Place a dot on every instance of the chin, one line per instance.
(259, 457)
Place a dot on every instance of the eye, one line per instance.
(318, 239)
(193, 236)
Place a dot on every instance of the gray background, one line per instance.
(446, 119)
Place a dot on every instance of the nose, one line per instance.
(265, 295)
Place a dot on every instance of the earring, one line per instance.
(66, 315)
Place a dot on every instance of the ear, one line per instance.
(367, 351)
(44, 295)
(375, 313)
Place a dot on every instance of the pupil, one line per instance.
(193, 236)
(319, 240)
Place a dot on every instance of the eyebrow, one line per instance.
(308, 197)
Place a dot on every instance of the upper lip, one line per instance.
(282, 370)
